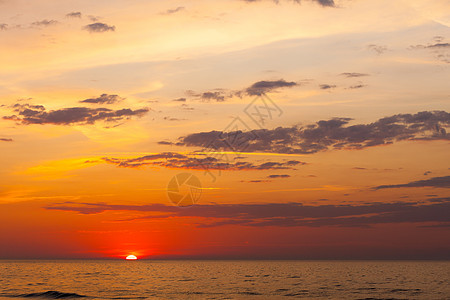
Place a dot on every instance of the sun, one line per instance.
(131, 257)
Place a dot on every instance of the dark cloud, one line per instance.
(180, 100)
(262, 87)
(99, 27)
(326, 86)
(217, 96)
(437, 182)
(279, 176)
(282, 214)
(326, 3)
(357, 86)
(324, 135)
(75, 14)
(174, 160)
(44, 23)
(174, 10)
(6, 140)
(256, 181)
(439, 45)
(256, 89)
(37, 114)
(104, 99)
(3, 26)
(353, 74)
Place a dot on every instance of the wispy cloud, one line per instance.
(325, 3)
(104, 99)
(353, 74)
(437, 182)
(174, 10)
(281, 214)
(324, 135)
(44, 23)
(175, 160)
(75, 14)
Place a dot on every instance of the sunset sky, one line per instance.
(318, 129)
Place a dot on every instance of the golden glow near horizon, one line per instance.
(102, 104)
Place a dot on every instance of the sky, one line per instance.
(231, 129)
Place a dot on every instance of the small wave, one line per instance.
(52, 295)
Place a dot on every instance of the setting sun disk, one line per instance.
(131, 257)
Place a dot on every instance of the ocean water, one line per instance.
(149, 279)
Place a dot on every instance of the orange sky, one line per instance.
(324, 126)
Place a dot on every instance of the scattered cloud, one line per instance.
(437, 182)
(325, 3)
(324, 135)
(99, 27)
(256, 89)
(439, 48)
(6, 140)
(104, 99)
(44, 23)
(37, 114)
(175, 160)
(180, 100)
(264, 86)
(218, 96)
(75, 14)
(378, 49)
(279, 176)
(3, 26)
(290, 214)
(354, 74)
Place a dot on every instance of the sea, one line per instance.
(195, 279)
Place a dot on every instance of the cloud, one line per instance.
(3, 26)
(174, 10)
(353, 74)
(329, 134)
(437, 182)
(104, 99)
(326, 3)
(357, 86)
(213, 96)
(175, 160)
(179, 100)
(378, 49)
(6, 140)
(75, 14)
(326, 86)
(262, 87)
(44, 23)
(281, 214)
(439, 48)
(279, 176)
(256, 89)
(99, 27)
(37, 114)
